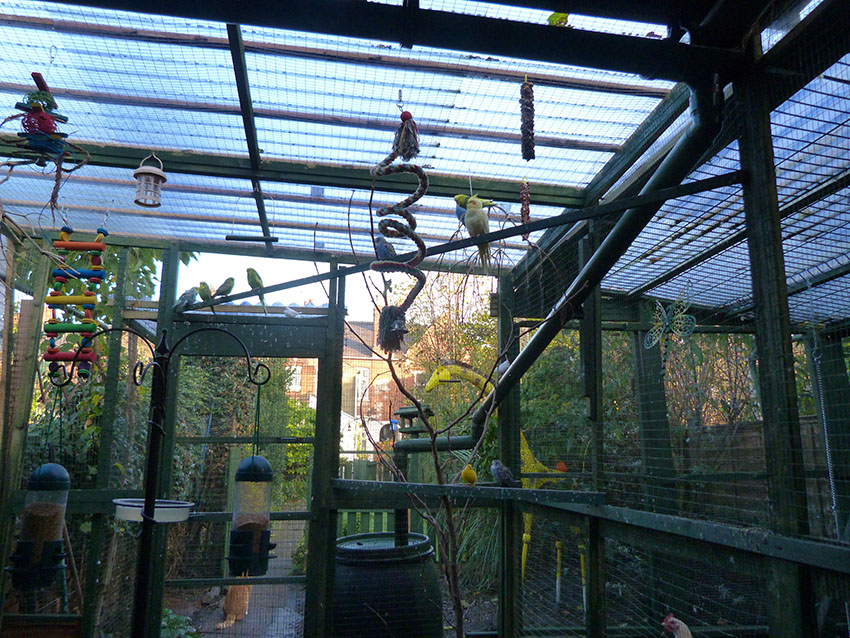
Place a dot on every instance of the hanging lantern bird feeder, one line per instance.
(250, 533)
(39, 554)
(149, 181)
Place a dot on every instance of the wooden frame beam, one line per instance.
(243, 88)
(239, 166)
(654, 58)
(456, 69)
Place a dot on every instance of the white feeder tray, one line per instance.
(130, 509)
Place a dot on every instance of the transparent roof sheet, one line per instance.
(153, 82)
(811, 137)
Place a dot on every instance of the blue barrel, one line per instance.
(381, 590)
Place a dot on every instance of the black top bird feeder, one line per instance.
(250, 534)
(39, 553)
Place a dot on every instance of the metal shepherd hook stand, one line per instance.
(161, 357)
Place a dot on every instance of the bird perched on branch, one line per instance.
(676, 627)
(502, 475)
(225, 289)
(478, 223)
(384, 250)
(256, 282)
(185, 299)
(205, 293)
(468, 475)
(460, 204)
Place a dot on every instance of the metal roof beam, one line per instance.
(331, 176)
(243, 88)
(353, 18)
(372, 58)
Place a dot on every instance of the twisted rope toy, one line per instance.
(391, 325)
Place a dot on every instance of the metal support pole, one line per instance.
(155, 439)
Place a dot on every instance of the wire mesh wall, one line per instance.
(221, 419)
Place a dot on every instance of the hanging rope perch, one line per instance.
(391, 326)
(526, 108)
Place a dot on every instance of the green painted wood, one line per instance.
(321, 544)
(296, 173)
(84, 501)
(832, 390)
(590, 344)
(657, 58)
(240, 580)
(595, 617)
(263, 440)
(271, 339)
(25, 361)
(510, 521)
(226, 517)
(790, 607)
(363, 495)
(656, 450)
(758, 542)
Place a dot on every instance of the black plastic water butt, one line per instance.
(381, 590)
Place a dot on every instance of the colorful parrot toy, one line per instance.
(58, 298)
(391, 325)
(41, 135)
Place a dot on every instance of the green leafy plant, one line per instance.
(177, 626)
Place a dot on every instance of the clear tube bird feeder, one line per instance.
(250, 534)
(149, 181)
(39, 554)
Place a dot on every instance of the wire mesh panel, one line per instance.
(642, 587)
(222, 419)
(553, 577)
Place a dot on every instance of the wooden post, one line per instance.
(321, 548)
(655, 446)
(93, 596)
(23, 362)
(590, 333)
(831, 388)
(832, 395)
(510, 520)
(790, 609)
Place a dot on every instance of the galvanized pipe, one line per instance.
(706, 108)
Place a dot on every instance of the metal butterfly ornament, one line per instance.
(671, 320)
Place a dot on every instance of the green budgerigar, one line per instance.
(225, 289)
(205, 293)
(256, 282)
